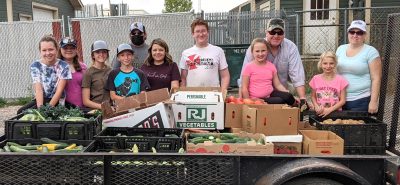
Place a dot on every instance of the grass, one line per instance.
(12, 102)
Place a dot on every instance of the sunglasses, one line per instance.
(359, 33)
(68, 41)
(276, 32)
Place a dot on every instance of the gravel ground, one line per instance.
(7, 113)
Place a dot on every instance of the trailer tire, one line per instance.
(312, 181)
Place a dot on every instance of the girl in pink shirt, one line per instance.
(328, 89)
(68, 52)
(260, 78)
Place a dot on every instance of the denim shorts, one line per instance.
(357, 105)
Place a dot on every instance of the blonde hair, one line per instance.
(260, 40)
(327, 54)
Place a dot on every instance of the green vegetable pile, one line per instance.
(48, 145)
(50, 113)
(196, 138)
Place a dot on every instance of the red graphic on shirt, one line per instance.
(192, 61)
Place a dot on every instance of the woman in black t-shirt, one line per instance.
(161, 71)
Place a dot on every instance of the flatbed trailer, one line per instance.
(218, 169)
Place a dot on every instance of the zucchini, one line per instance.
(29, 147)
(17, 149)
(70, 147)
(50, 141)
(7, 148)
(68, 150)
(45, 149)
(1, 150)
(12, 144)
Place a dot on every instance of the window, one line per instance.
(318, 5)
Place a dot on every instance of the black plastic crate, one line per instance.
(162, 139)
(84, 143)
(370, 134)
(57, 130)
(360, 150)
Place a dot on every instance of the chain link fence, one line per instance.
(173, 28)
(390, 87)
(20, 46)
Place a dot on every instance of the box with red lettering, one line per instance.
(145, 110)
(321, 142)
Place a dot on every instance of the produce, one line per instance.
(49, 113)
(343, 121)
(221, 138)
(48, 145)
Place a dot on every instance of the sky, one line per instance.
(156, 6)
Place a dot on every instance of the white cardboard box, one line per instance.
(201, 108)
(157, 116)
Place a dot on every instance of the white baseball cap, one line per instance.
(359, 24)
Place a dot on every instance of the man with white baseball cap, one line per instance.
(138, 36)
(284, 55)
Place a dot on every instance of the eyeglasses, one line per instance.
(136, 33)
(359, 33)
(276, 32)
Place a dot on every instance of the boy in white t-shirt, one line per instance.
(203, 64)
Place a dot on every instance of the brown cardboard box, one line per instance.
(235, 130)
(321, 142)
(199, 107)
(251, 147)
(303, 125)
(139, 101)
(270, 119)
(286, 144)
(233, 115)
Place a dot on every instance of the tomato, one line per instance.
(248, 101)
(258, 102)
(230, 99)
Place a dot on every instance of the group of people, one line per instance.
(350, 78)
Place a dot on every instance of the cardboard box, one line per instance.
(251, 147)
(321, 142)
(233, 115)
(286, 144)
(303, 125)
(131, 103)
(235, 130)
(198, 107)
(270, 119)
(157, 116)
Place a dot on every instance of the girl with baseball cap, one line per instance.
(69, 53)
(95, 78)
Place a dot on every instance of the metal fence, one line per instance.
(173, 28)
(19, 41)
(390, 87)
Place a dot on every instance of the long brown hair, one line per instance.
(75, 60)
(150, 60)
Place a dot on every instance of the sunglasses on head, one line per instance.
(359, 33)
(273, 32)
(68, 41)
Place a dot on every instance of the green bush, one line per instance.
(3, 102)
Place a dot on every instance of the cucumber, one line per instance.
(68, 151)
(17, 149)
(225, 136)
(203, 135)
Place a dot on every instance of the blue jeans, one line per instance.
(357, 105)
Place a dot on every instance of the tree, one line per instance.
(177, 6)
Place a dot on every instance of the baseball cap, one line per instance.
(358, 24)
(137, 25)
(124, 47)
(275, 23)
(67, 41)
(99, 45)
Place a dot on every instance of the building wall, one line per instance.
(21, 7)
(25, 7)
(3, 11)
(294, 5)
(64, 7)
